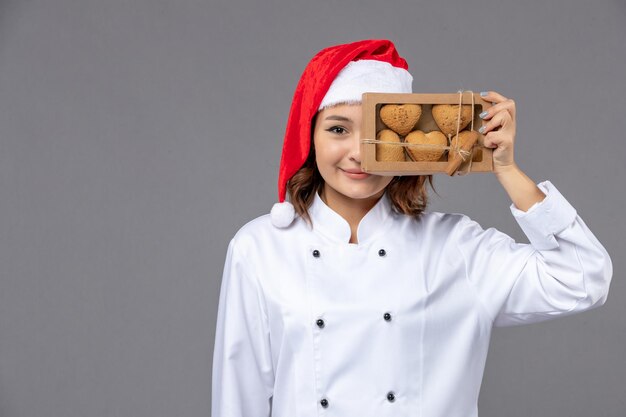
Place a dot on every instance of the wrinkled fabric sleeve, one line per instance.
(243, 376)
(562, 271)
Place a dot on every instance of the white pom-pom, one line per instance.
(282, 214)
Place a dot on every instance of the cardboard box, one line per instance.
(481, 157)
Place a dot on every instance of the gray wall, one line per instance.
(136, 137)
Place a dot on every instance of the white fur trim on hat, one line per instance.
(282, 214)
(366, 75)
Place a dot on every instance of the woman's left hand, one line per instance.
(499, 130)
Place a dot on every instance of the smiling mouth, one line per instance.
(356, 174)
(353, 171)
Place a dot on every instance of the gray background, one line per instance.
(138, 136)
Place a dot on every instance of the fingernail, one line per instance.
(483, 114)
(483, 93)
(482, 129)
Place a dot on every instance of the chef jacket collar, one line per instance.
(332, 225)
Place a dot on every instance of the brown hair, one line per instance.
(407, 193)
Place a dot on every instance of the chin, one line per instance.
(361, 191)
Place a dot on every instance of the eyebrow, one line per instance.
(341, 118)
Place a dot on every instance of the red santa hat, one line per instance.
(337, 74)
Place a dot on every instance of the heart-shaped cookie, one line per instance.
(424, 153)
(465, 137)
(401, 118)
(446, 116)
(389, 152)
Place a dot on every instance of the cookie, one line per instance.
(446, 116)
(465, 136)
(401, 118)
(419, 153)
(389, 152)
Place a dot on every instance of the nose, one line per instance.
(355, 147)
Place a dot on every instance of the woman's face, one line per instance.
(336, 137)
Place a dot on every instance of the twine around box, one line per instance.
(463, 154)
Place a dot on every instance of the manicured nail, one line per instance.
(483, 93)
(482, 129)
(483, 114)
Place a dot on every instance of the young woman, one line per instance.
(352, 299)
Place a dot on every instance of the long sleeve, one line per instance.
(243, 375)
(564, 270)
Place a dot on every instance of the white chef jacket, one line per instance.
(397, 325)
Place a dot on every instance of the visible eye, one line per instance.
(337, 129)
